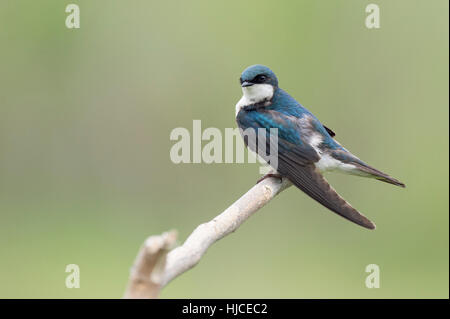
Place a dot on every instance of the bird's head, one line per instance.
(258, 83)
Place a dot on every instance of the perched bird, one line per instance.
(306, 148)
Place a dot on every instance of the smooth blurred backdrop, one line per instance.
(85, 119)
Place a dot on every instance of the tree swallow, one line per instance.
(306, 148)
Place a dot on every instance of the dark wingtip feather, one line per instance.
(371, 226)
(361, 220)
(311, 181)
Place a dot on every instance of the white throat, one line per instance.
(254, 94)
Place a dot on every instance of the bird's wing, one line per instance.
(332, 134)
(296, 160)
(289, 137)
(309, 180)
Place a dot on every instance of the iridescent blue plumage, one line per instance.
(305, 146)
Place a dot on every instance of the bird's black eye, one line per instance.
(260, 78)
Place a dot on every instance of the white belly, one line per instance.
(327, 163)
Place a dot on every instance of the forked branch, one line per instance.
(155, 266)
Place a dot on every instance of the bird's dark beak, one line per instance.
(246, 83)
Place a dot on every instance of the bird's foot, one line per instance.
(270, 175)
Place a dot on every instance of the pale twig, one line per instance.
(189, 254)
(147, 272)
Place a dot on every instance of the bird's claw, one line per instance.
(270, 175)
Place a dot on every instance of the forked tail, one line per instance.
(378, 174)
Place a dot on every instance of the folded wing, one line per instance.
(296, 160)
(310, 180)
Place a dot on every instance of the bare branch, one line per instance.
(147, 272)
(189, 254)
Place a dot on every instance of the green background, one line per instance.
(85, 119)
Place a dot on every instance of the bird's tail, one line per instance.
(374, 173)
